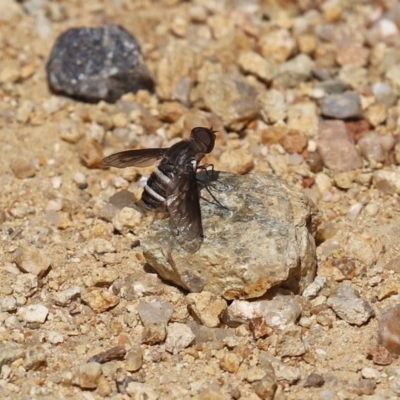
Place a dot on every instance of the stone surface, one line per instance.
(278, 313)
(115, 353)
(97, 64)
(389, 329)
(175, 73)
(230, 362)
(387, 181)
(98, 299)
(375, 147)
(273, 106)
(33, 313)
(179, 336)
(348, 305)
(206, 307)
(134, 359)
(285, 219)
(341, 106)
(155, 313)
(153, 333)
(252, 63)
(87, 376)
(139, 391)
(231, 98)
(294, 71)
(22, 169)
(336, 148)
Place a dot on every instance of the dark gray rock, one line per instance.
(95, 64)
(263, 239)
(342, 106)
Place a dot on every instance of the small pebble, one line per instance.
(341, 106)
(347, 304)
(389, 330)
(115, 353)
(64, 297)
(140, 391)
(207, 307)
(87, 376)
(56, 182)
(99, 299)
(255, 374)
(134, 359)
(155, 313)
(35, 358)
(80, 180)
(33, 260)
(127, 219)
(179, 336)
(54, 337)
(370, 373)
(230, 362)
(33, 313)
(22, 168)
(8, 304)
(314, 380)
(336, 148)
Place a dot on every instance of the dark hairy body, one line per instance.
(173, 183)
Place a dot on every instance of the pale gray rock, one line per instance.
(278, 313)
(273, 106)
(384, 93)
(313, 288)
(349, 306)
(342, 106)
(155, 313)
(264, 238)
(292, 72)
(65, 296)
(8, 304)
(25, 285)
(33, 313)
(336, 148)
(179, 336)
(231, 98)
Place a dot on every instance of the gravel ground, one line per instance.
(307, 91)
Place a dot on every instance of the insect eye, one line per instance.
(204, 138)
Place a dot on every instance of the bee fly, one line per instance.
(173, 183)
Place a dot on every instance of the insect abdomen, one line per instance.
(154, 193)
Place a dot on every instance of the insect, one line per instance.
(173, 183)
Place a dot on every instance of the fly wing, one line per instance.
(183, 204)
(134, 158)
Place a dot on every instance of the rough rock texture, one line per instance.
(336, 147)
(263, 238)
(97, 64)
